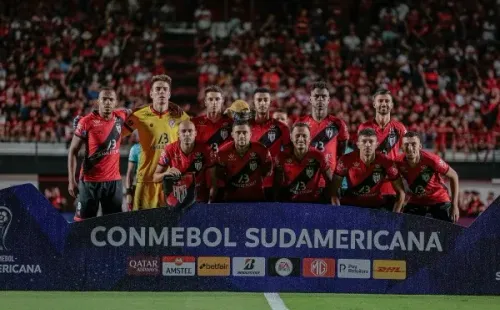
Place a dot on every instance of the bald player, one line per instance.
(186, 155)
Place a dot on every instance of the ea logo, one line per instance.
(284, 267)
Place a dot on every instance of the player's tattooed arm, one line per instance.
(455, 190)
(336, 184)
(162, 171)
(74, 148)
(400, 195)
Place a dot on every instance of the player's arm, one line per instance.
(397, 184)
(130, 125)
(267, 167)
(455, 189)
(343, 139)
(162, 169)
(76, 144)
(338, 176)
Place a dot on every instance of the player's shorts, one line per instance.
(109, 194)
(440, 211)
(149, 195)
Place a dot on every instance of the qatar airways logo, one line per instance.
(381, 240)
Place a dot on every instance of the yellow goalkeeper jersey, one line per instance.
(155, 132)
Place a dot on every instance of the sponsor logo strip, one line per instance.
(353, 268)
(318, 267)
(178, 266)
(143, 266)
(214, 266)
(389, 269)
(249, 266)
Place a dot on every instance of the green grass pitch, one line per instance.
(239, 301)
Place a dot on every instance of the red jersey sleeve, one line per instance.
(438, 164)
(341, 169)
(164, 157)
(121, 113)
(343, 130)
(81, 130)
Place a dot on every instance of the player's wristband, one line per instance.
(128, 191)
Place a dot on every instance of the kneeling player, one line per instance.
(242, 165)
(186, 156)
(366, 171)
(299, 170)
(423, 172)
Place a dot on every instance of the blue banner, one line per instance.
(245, 247)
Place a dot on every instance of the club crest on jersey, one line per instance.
(253, 165)
(198, 165)
(224, 134)
(118, 128)
(171, 123)
(392, 137)
(253, 155)
(180, 192)
(271, 135)
(288, 160)
(330, 131)
(376, 177)
(426, 177)
(310, 172)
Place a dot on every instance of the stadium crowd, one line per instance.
(440, 59)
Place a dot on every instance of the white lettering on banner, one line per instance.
(498, 276)
(382, 240)
(20, 269)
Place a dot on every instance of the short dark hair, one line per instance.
(300, 125)
(241, 123)
(319, 85)
(107, 88)
(367, 132)
(381, 91)
(161, 78)
(264, 90)
(213, 89)
(412, 134)
(280, 110)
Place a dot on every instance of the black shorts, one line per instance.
(440, 211)
(109, 194)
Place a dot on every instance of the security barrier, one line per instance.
(245, 247)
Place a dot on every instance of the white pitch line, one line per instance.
(275, 302)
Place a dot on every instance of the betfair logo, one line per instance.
(214, 266)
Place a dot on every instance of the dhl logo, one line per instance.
(389, 269)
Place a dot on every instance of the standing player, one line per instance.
(242, 165)
(101, 183)
(281, 116)
(132, 169)
(214, 128)
(186, 156)
(299, 169)
(271, 133)
(157, 125)
(423, 172)
(329, 134)
(389, 132)
(366, 170)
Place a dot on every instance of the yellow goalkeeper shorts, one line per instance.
(149, 195)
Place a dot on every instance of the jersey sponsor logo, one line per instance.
(249, 266)
(318, 267)
(389, 269)
(214, 266)
(253, 165)
(283, 266)
(176, 266)
(143, 266)
(353, 268)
